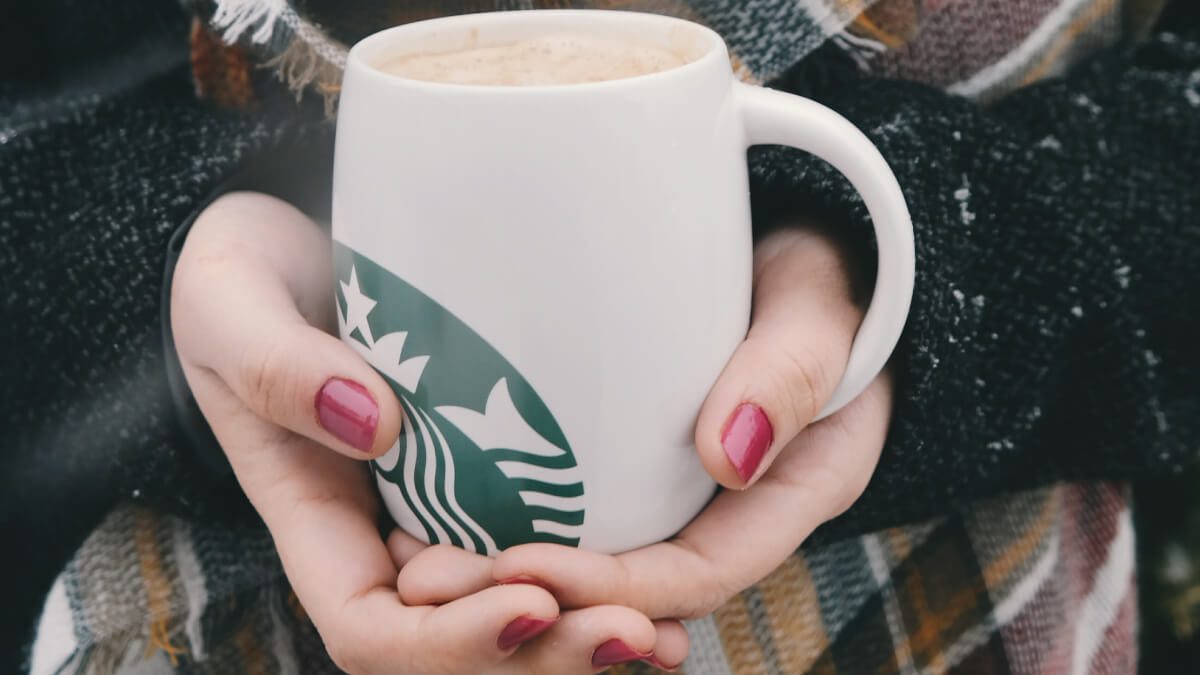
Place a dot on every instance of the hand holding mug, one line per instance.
(810, 472)
(297, 412)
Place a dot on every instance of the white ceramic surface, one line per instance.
(553, 277)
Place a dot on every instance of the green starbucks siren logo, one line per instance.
(481, 462)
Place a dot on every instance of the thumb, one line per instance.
(782, 375)
(311, 383)
(236, 312)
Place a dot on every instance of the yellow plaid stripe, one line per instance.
(157, 584)
(941, 586)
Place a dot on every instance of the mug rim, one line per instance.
(359, 56)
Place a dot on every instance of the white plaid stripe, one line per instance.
(1110, 586)
(881, 570)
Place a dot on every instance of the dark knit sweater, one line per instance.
(1053, 333)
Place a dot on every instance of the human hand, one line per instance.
(754, 428)
(297, 413)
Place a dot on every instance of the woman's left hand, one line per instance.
(754, 428)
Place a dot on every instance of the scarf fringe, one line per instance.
(235, 17)
(310, 58)
(301, 66)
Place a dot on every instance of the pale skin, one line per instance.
(252, 312)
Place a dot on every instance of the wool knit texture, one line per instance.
(1053, 331)
(1052, 334)
(99, 164)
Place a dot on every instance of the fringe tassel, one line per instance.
(300, 66)
(237, 16)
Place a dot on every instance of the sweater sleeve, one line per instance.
(1053, 334)
(92, 188)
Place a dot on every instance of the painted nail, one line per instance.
(748, 435)
(653, 660)
(522, 629)
(614, 652)
(525, 580)
(346, 410)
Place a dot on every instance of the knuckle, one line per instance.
(269, 379)
(712, 586)
(800, 378)
(197, 289)
(707, 601)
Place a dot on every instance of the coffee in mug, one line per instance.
(556, 59)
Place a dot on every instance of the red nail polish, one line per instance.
(522, 629)
(653, 660)
(346, 410)
(526, 580)
(748, 435)
(614, 652)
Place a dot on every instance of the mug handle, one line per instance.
(775, 118)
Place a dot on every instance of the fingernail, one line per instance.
(748, 435)
(522, 629)
(653, 660)
(346, 410)
(525, 580)
(614, 651)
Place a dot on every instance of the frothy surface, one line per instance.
(547, 60)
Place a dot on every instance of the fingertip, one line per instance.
(403, 547)
(528, 560)
(671, 646)
(522, 612)
(475, 632)
(355, 404)
(711, 433)
(632, 634)
(390, 421)
(388, 418)
(732, 417)
(595, 637)
(717, 464)
(553, 567)
(521, 630)
(746, 440)
(442, 573)
(536, 601)
(349, 412)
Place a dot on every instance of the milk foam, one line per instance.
(554, 59)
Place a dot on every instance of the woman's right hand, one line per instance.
(298, 413)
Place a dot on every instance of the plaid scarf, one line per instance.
(1040, 582)
(1036, 582)
(978, 49)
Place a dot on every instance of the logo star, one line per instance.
(358, 306)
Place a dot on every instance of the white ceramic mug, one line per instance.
(552, 277)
